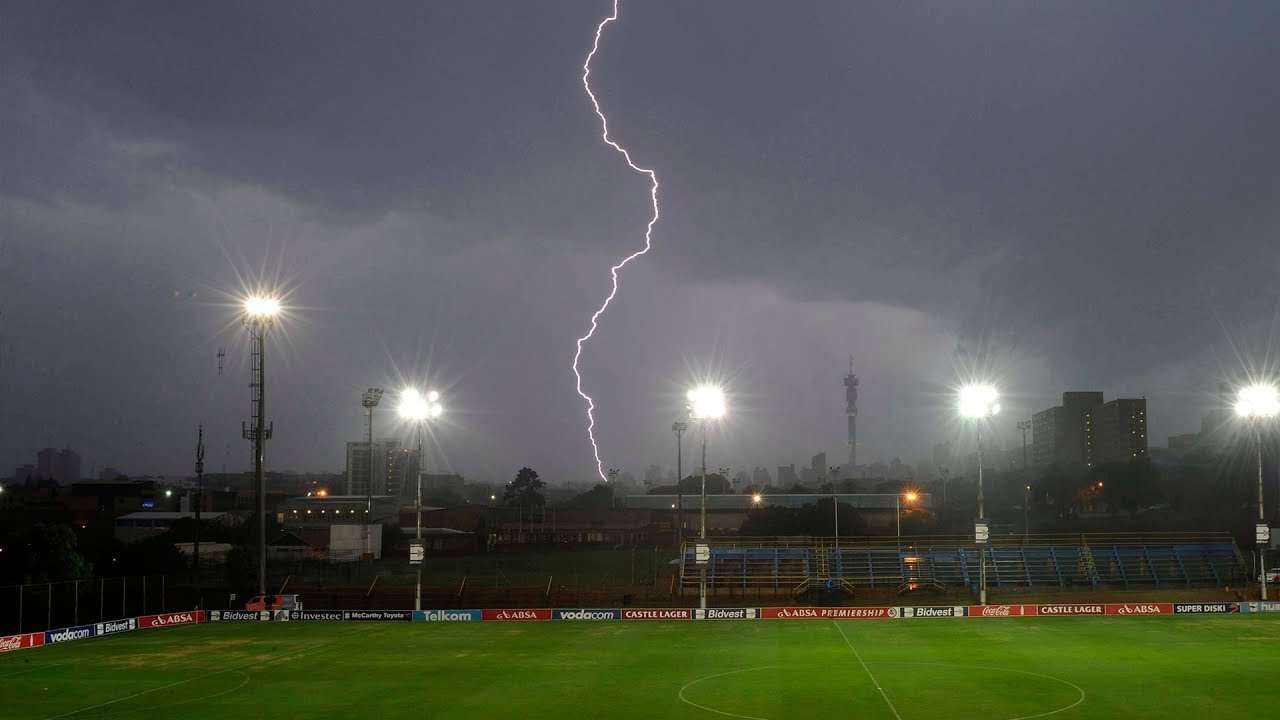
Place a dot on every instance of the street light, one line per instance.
(258, 312)
(706, 404)
(417, 408)
(1256, 404)
(979, 402)
(756, 498)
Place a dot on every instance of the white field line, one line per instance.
(695, 681)
(875, 682)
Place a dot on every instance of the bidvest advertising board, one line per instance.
(726, 614)
(945, 611)
(112, 627)
(239, 615)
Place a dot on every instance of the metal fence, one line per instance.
(43, 606)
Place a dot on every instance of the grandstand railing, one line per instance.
(1126, 560)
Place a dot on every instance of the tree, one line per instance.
(525, 490)
(599, 497)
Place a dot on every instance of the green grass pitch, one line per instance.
(993, 669)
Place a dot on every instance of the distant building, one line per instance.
(23, 473)
(142, 525)
(787, 476)
(760, 477)
(434, 483)
(387, 467)
(1058, 434)
(1116, 432)
(818, 463)
(110, 474)
(1184, 443)
(61, 466)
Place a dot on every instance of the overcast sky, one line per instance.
(1067, 195)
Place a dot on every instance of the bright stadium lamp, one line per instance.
(1258, 402)
(756, 498)
(979, 401)
(261, 307)
(1255, 404)
(706, 402)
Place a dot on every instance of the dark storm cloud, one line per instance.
(1085, 191)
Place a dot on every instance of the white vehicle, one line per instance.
(1273, 575)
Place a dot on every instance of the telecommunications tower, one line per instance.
(851, 410)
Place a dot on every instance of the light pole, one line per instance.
(259, 311)
(1026, 514)
(835, 506)
(195, 545)
(1257, 404)
(706, 404)
(979, 403)
(369, 401)
(418, 409)
(678, 427)
(1023, 427)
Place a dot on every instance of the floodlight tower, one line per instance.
(259, 312)
(417, 408)
(979, 403)
(369, 401)
(678, 427)
(706, 404)
(1257, 404)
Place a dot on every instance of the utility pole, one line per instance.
(702, 572)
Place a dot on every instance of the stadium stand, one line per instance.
(1111, 560)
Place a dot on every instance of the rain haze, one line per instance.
(1065, 196)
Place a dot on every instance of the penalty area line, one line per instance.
(866, 669)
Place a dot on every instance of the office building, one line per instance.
(1058, 435)
(1116, 432)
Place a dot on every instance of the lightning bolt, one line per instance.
(613, 271)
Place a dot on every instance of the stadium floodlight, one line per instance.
(259, 311)
(911, 496)
(706, 403)
(261, 307)
(1258, 402)
(979, 402)
(756, 498)
(1255, 404)
(418, 408)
